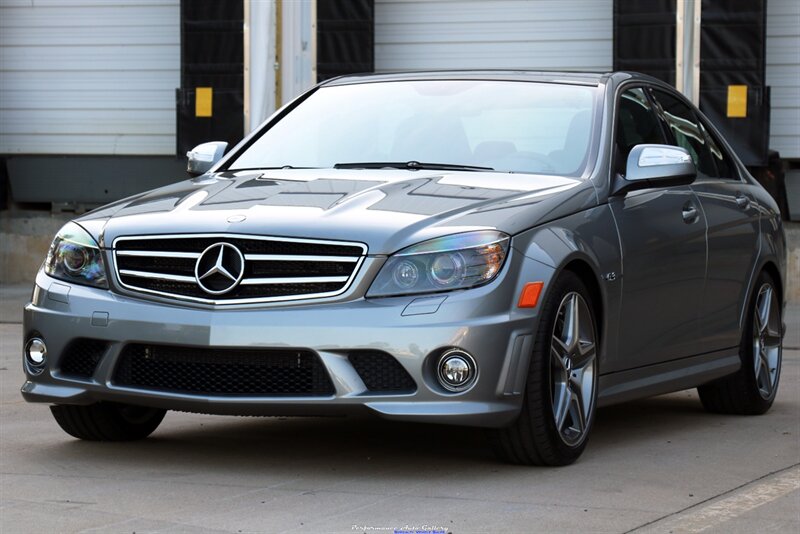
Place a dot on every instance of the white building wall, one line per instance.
(783, 75)
(88, 76)
(503, 34)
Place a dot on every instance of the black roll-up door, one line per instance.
(733, 93)
(210, 101)
(345, 37)
(644, 37)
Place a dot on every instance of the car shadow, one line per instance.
(298, 445)
(654, 418)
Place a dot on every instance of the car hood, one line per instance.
(385, 209)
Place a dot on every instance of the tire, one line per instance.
(107, 421)
(748, 392)
(535, 438)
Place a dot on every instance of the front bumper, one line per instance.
(414, 330)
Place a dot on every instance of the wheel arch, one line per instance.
(771, 268)
(582, 267)
(589, 276)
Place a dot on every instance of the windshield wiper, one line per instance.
(410, 165)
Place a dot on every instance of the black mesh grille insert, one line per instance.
(381, 372)
(81, 357)
(223, 372)
(241, 291)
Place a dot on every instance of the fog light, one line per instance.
(36, 353)
(456, 370)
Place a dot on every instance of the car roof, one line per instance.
(563, 77)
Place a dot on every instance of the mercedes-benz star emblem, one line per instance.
(219, 268)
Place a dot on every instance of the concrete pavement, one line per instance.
(657, 465)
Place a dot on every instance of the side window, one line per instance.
(725, 166)
(636, 124)
(688, 132)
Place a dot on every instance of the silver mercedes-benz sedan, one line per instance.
(508, 250)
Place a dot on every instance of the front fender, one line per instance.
(588, 242)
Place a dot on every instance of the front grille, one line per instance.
(271, 268)
(223, 372)
(380, 372)
(81, 357)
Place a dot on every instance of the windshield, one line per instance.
(505, 126)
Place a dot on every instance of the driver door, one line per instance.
(663, 239)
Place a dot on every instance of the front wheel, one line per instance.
(561, 390)
(107, 421)
(752, 389)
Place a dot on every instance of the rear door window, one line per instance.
(688, 132)
(722, 160)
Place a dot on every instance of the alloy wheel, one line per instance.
(573, 361)
(766, 341)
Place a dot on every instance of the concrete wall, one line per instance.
(24, 241)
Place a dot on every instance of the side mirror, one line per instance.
(203, 157)
(652, 166)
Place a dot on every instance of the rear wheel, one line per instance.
(752, 389)
(561, 391)
(107, 421)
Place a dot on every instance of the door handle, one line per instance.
(689, 214)
(742, 201)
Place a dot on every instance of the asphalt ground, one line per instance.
(656, 465)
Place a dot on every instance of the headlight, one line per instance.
(75, 257)
(458, 261)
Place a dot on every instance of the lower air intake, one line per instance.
(380, 372)
(81, 357)
(223, 372)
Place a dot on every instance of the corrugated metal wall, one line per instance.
(88, 76)
(783, 75)
(98, 76)
(455, 34)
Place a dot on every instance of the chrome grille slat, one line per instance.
(298, 280)
(273, 269)
(146, 253)
(157, 276)
(285, 257)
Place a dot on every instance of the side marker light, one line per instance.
(529, 297)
